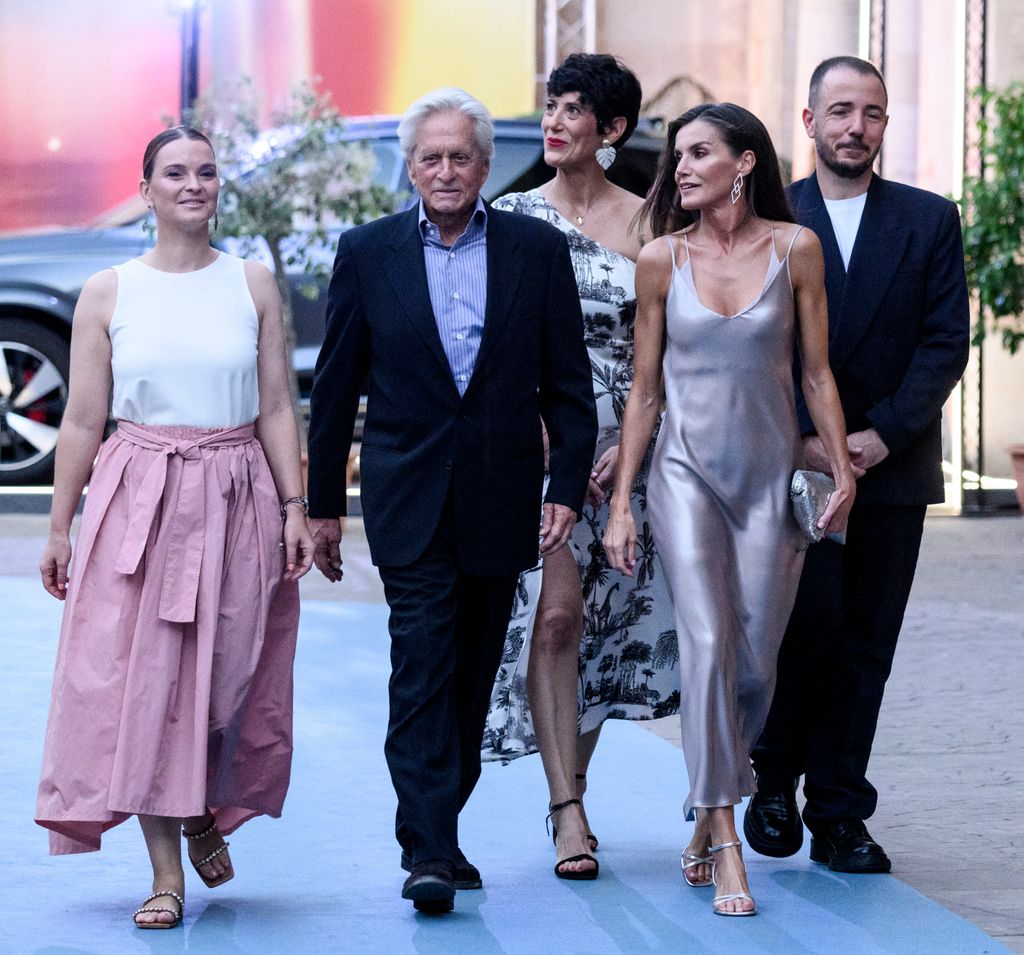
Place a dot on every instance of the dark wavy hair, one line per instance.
(162, 139)
(605, 86)
(740, 130)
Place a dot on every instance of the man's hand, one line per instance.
(555, 527)
(866, 449)
(817, 459)
(327, 546)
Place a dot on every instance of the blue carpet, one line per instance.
(325, 877)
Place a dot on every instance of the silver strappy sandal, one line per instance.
(719, 900)
(688, 861)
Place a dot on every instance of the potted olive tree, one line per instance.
(993, 209)
(285, 188)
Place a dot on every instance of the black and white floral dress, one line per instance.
(629, 657)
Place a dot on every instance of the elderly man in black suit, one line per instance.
(898, 343)
(466, 322)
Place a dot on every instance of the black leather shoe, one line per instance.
(430, 888)
(467, 875)
(772, 823)
(848, 847)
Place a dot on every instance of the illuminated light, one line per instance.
(53, 144)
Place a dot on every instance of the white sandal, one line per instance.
(722, 899)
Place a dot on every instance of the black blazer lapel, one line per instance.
(875, 259)
(812, 213)
(407, 273)
(504, 271)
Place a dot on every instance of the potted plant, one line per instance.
(993, 212)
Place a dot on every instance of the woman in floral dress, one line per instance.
(586, 644)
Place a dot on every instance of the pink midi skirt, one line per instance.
(173, 686)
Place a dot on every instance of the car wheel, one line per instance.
(33, 393)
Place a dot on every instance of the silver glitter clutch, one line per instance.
(809, 492)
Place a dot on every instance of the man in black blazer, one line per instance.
(898, 343)
(466, 322)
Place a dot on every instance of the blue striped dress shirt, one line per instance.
(457, 280)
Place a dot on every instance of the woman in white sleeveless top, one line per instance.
(173, 686)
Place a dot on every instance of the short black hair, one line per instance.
(162, 139)
(854, 63)
(605, 86)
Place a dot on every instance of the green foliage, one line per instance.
(993, 210)
(288, 186)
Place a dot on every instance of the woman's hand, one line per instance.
(298, 544)
(620, 541)
(602, 477)
(837, 512)
(53, 565)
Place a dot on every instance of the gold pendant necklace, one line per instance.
(579, 218)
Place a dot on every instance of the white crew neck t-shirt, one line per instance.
(845, 215)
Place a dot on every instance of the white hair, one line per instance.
(447, 99)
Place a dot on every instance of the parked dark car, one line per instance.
(42, 273)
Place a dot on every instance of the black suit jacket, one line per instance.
(898, 329)
(421, 438)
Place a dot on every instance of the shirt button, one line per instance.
(459, 337)
(451, 255)
(462, 377)
(455, 294)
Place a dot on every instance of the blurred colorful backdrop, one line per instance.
(83, 86)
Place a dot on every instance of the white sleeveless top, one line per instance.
(184, 345)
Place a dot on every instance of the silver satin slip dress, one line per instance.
(719, 499)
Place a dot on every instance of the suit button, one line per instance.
(447, 465)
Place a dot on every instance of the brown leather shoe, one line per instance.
(430, 888)
(467, 875)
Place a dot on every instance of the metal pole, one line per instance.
(976, 14)
(189, 57)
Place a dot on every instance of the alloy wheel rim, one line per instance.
(33, 393)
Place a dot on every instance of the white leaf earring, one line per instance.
(737, 189)
(605, 155)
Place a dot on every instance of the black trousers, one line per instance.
(447, 635)
(835, 658)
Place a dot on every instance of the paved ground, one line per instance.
(949, 757)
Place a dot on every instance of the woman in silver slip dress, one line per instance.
(553, 690)
(720, 305)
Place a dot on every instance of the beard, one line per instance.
(844, 168)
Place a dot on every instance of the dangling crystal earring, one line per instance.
(605, 155)
(737, 188)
